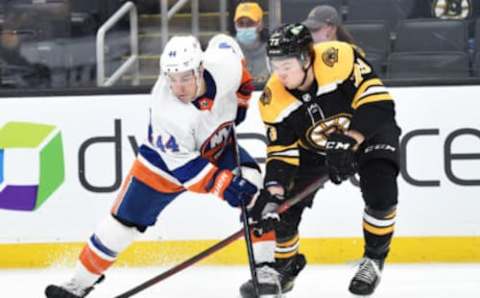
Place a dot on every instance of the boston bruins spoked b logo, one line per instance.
(330, 56)
(452, 9)
(317, 134)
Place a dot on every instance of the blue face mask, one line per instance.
(247, 36)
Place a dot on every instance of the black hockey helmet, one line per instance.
(290, 40)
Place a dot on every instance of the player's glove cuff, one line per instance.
(340, 157)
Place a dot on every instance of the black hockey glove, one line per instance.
(263, 213)
(340, 157)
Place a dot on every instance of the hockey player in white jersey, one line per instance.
(196, 101)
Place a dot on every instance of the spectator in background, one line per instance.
(251, 35)
(15, 69)
(325, 24)
(10, 48)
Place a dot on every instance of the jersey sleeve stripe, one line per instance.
(289, 153)
(276, 156)
(191, 169)
(157, 171)
(365, 85)
(152, 159)
(199, 183)
(193, 175)
(295, 161)
(372, 98)
(153, 179)
(372, 90)
(280, 148)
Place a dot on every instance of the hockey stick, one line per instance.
(216, 247)
(246, 226)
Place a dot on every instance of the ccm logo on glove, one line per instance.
(336, 145)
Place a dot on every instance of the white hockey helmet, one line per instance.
(181, 53)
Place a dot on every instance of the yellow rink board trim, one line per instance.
(317, 250)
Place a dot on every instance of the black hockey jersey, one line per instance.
(346, 94)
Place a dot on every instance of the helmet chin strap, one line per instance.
(305, 75)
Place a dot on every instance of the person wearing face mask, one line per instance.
(325, 24)
(250, 35)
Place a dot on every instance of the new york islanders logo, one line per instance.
(213, 147)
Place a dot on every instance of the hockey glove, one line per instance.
(340, 159)
(263, 213)
(234, 189)
(244, 93)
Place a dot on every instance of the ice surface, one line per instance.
(322, 281)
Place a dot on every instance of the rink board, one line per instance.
(439, 186)
(317, 250)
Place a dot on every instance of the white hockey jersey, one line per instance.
(185, 139)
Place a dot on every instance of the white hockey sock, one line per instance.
(101, 250)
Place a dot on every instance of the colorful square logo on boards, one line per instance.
(31, 164)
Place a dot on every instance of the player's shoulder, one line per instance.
(340, 48)
(223, 60)
(223, 50)
(276, 103)
(224, 43)
(333, 61)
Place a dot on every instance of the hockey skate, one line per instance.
(268, 284)
(367, 277)
(289, 270)
(70, 290)
(284, 273)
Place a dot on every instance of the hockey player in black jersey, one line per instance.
(326, 113)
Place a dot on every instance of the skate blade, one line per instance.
(271, 296)
(361, 296)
